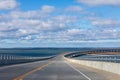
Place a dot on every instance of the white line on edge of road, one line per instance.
(79, 71)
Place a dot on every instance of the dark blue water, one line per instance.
(42, 52)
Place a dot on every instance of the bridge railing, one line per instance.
(106, 58)
(93, 56)
(7, 59)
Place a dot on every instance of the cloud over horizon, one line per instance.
(100, 2)
(50, 23)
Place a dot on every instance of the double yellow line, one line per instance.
(32, 71)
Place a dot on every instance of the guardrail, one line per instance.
(110, 63)
(105, 58)
(92, 56)
(7, 59)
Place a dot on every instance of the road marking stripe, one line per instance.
(79, 71)
(32, 71)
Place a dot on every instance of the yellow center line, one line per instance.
(32, 71)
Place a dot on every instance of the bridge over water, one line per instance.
(52, 68)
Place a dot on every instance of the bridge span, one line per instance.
(56, 68)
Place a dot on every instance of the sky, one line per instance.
(59, 23)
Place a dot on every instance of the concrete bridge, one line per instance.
(56, 68)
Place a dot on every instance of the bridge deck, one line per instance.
(52, 69)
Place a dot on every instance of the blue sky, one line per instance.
(59, 23)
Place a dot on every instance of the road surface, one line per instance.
(53, 69)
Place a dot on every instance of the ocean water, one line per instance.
(39, 52)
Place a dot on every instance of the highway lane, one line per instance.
(53, 69)
(58, 70)
(10, 72)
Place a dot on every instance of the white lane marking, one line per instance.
(79, 71)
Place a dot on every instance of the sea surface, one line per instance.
(39, 52)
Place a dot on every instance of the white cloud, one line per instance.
(47, 8)
(89, 34)
(28, 38)
(106, 23)
(41, 25)
(74, 9)
(100, 2)
(19, 24)
(75, 32)
(8, 4)
(58, 29)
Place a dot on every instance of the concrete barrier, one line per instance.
(106, 66)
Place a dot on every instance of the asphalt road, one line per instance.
(52, 69)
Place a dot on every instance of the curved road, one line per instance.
(52, 69)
